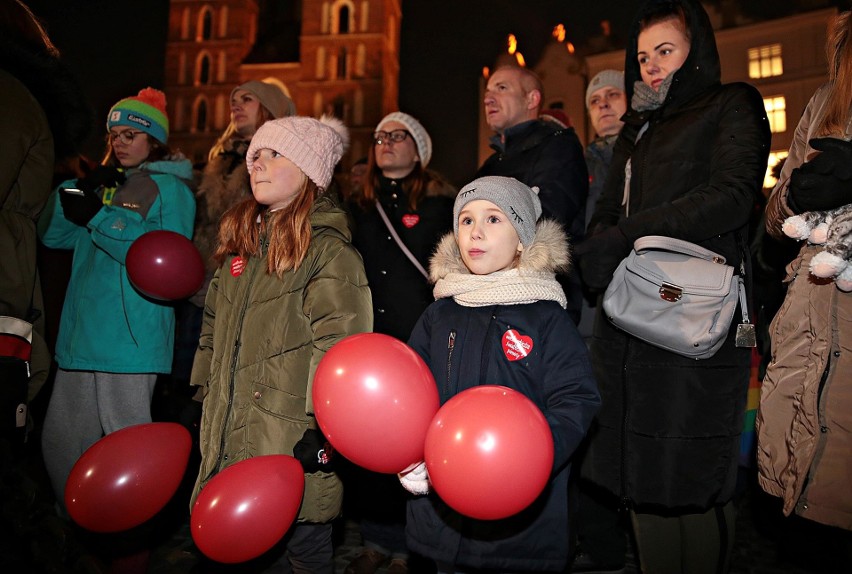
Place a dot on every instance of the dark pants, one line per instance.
(686, 543)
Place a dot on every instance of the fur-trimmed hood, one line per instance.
(549, 252)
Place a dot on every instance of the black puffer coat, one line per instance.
(668, 431)
(556, 376)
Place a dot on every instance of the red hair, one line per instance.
(287, 230)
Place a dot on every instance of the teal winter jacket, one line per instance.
(106, 324)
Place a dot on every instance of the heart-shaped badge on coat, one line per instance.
(409, 220)
(515, 345)
(237, 266)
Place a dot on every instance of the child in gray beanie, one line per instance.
(499, 319)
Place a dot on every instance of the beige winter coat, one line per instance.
(804, 424)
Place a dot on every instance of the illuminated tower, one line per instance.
(330, 56)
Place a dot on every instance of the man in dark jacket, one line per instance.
(538, 153)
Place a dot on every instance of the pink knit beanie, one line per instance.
(315, 146)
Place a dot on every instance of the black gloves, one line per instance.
(101, 176)
(825, 182)
(314, 452)
(600, 255)
(79, 208)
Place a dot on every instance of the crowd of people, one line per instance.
(299, 256)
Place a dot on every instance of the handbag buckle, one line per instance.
(671, 293)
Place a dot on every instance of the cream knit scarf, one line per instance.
(500, 288)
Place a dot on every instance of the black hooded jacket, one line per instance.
(667, 435)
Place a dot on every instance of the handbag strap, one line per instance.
(661, 242)
(399, 242)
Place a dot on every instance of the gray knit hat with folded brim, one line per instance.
(518, 201)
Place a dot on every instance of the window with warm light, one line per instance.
(765, 61)
(776, 112)
(775, 158)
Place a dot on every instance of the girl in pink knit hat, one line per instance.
(288, 287)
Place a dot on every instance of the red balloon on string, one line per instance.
(128, 476)
(246, 508)
(374, 399)
(165, 265)
(489, 452)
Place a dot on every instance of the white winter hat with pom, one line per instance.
(315, 146)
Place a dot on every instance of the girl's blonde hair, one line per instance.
(838, 51)
(224, 141)
(287, 231)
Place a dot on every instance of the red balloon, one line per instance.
(165, 265)
(374, 399)
(128, 476)
(246, 508)
(489, 452)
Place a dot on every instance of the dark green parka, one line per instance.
(261, 341)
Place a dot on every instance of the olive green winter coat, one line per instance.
(261, 341)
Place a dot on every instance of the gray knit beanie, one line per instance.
(518, 201)
(602, 79)
(270, 97)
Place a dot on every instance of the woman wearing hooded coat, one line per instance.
(688, 163)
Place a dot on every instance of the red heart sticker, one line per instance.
(515, 345)
(238, 264)
(410, 220)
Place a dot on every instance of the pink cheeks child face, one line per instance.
(487, 240)
(275, 180)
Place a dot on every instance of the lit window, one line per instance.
(765, 61)
(775, 158)
(776, 112)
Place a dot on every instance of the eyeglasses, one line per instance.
(396, 136)
(126, 137)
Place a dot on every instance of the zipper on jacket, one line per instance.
(451, 345)
(232, 373)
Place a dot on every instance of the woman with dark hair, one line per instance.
(805, 419)
(688, 164)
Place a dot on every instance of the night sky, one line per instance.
(116, 47)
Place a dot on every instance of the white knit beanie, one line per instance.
(518, 201)
(604, 78)
(315, 146)
(417, 131)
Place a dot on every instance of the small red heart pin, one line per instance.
(409, 220)
(515, 345)
(238, 264)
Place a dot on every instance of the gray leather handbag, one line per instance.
(675, 295)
